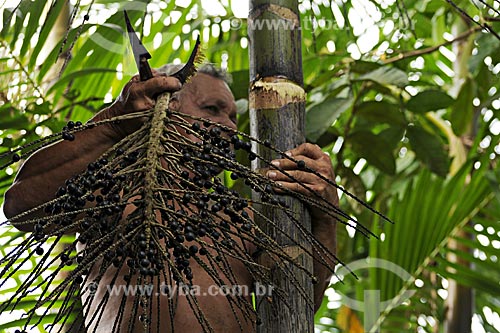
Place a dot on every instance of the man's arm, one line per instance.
(46, 170)
(323, 225)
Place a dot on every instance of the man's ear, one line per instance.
(174, 103)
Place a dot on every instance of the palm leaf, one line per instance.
(428, 215)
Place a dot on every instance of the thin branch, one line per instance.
(471, 19)
(489, 6)
(416, 53)
(405, 17)
(491, 19)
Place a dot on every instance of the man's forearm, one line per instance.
(45, 171)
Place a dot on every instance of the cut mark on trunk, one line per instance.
(274, 93)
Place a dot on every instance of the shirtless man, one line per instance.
(206, 95)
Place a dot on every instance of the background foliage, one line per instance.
(404, 95)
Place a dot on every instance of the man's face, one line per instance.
(208, 97)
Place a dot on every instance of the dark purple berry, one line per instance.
(68, 136)
(193, 249)
(144, 262)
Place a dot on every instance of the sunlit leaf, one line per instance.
(463, 109)
(348, 320)
(321, 116)
(429, 149)
(429, 100)
(382, 112)
(387, 76)
(374, 149)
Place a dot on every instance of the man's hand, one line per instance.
(48, 169)
(314, 158)
(137, 96)
(323, 225)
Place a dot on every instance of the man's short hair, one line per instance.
(207, 68)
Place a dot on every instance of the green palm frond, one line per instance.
(429, 214)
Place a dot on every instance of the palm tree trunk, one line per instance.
(460, 301)
(277, 114)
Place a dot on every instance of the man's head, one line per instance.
(206, 95)
(210, 69)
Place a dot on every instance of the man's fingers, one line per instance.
(160, 84)
(287, 164)
(292, 176)
(307, 149)
(145, 103)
